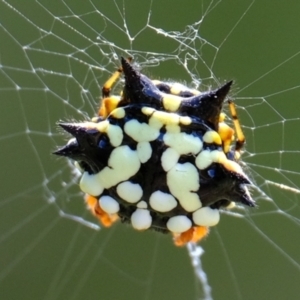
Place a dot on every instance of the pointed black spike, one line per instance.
(222, 92)
(224, 185)
(207, 106)
(133, 85)
(240, 191)
(71, 128)
(84, 146)
(246, 198)
(238, 176)
(74, 146)
(67, 150)
(131, 75)
(240, 194)
(79, 131)
(139, 89)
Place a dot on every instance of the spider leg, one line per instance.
(110, 81)
(108, 103)
(240, 137)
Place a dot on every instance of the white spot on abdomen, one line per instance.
(130, 192)
(141, 219)
(144, 151)
(141, 132)
(171, 102)
(206, 216)
(183, 181)
(183, 143)
(169, 159)
(162, 202)
(204, 160)
(115, 135)
(122, 164)
(179, 224)
(142, 204)
(109, 204)
(90, 184)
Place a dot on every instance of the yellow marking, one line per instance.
(230, 165)
(171, 128)
(218, 156)
(233, 166)
(166, 118)
(185, 120)
(176, 88)
(183, 143)
(141, 132)
(148, 111)
(211, 137)
(155, 123)
(108, 105)
(159, 118)
(222, 117)
(226, 133)
(203, 159)
(118, 113)
(102, 126)
(115, 135)
(171, 102)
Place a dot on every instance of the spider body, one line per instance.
(159, 156)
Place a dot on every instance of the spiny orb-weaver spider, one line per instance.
(159, 156)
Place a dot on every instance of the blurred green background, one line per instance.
(52, 65)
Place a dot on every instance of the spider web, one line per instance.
(54, 58)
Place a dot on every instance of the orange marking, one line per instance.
(200, 232)
(108, 105)
(194, 234)
(106, 219)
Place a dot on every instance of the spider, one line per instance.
(160, 156)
